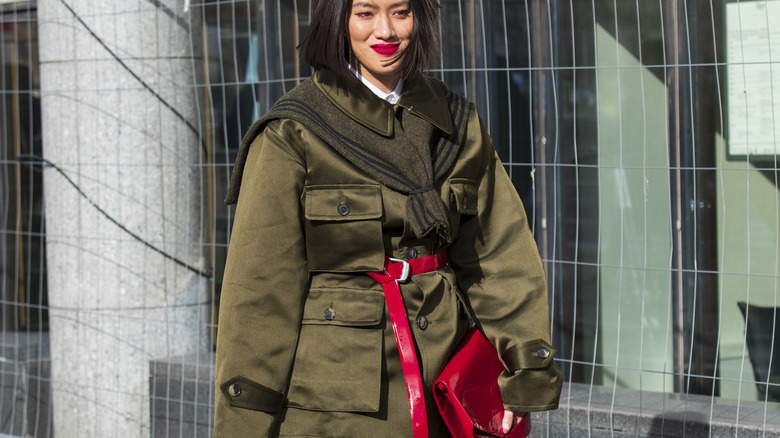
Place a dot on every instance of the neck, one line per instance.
(386, 83)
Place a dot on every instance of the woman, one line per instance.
(371, 158)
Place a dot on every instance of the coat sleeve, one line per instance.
(497, 265)
(264, 289)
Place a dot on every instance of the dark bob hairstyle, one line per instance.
(326, 44)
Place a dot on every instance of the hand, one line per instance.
(510, 420)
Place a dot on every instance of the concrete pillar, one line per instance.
(115, 303)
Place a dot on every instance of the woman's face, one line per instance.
(379, 32)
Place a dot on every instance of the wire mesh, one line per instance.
(642, 137)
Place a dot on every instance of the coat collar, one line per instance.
(420, 97)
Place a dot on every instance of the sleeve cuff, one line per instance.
(533, 382)
(536, 354)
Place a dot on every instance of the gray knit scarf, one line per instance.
(409, 161)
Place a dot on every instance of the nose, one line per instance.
(384, 27)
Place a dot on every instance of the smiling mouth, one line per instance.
(386, 49)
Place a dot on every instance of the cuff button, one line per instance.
(235, 390)
(543, 352)
(329, 314)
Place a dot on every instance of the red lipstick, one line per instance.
(386, 49)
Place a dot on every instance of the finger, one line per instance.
(507, 422)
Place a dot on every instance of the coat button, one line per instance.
(411, 253)
(544, 353)
(343, 209)
(235, 390)
(330, 314)
(422, 322)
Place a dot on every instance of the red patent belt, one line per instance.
(400, 270)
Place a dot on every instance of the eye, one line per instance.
(364, 14)
(403, 13)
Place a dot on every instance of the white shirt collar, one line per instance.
(391, 97)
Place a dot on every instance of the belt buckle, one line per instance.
(404, 272)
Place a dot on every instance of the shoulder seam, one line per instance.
(295, 145)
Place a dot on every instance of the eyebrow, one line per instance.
(373, 6)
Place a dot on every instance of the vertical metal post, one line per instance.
(540, 58)
(677, 268)
(20, 280)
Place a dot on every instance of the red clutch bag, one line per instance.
(467, 393)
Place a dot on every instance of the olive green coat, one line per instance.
(293, 255)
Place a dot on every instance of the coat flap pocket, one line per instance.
(343, 202)
(465, 193)
(337, 369)
(349, 308)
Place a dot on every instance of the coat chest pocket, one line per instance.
(464, 194)
(344, 228)
(338, 362)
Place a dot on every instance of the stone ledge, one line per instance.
(182, 395)
(183, 400)
(25, 385)
(24, 346)
(600, 413)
